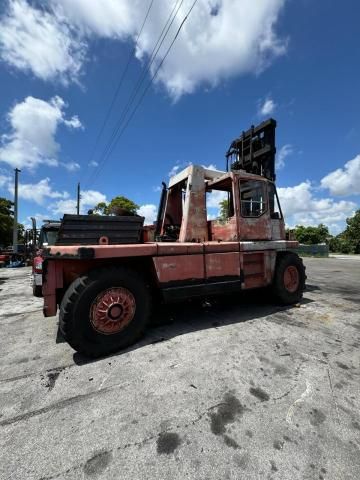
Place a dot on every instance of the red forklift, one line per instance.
(105, 273)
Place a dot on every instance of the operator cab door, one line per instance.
(277, 219)
(254, 220)
(222, 258)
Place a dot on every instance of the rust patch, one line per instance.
(180, 267)
(222, 264)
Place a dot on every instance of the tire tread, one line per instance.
(71, 298)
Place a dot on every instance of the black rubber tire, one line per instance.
(74, 320)
(282, 295)
(37, 291)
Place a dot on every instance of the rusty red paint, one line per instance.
(194, 248)
(203, 250)
(258, 228)
(254, 270)
(220, 247)
(108, 251)
(176, 248)
(181, 267)
(112, 310)
(223, 231)
(222, 265)
(188, 261)
(172, 249)
(194, 222)
(194, 225)
(291, 279)
(148, 233)
(53, 278)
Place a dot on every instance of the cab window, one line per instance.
(275, 210)
(252, 198)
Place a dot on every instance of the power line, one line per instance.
(141, 78)
(149, 84)
(139, 83)
(119, 85)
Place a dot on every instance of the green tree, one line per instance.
(335, 244)
(224, 209)
(101, 209)
(122, 206)
(6, 221)
(352, 232)
(118, 206)
(311, 235)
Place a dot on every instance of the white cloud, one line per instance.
(71, 166)
(266, 107)
(31, 141)
(148, 211)
(211, 166)
(73, 122)
(104, 18)
(89, 198)
(5, 180)
(344, 181)
(178, 167)
(220, 39)
(300, 206)
(60, 202)
(93, 163)
(39, 217)
(214, 198)
(63, 206)
(32, 39)
(239, 39)
(284, 152)
(37, 192)
(174, 170)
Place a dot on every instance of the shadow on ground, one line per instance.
(172, 320)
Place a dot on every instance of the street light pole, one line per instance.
(15, 227)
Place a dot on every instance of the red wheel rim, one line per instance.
(291, 278)
(112, 310)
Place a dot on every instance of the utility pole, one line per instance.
(15, 227)
(78, 199)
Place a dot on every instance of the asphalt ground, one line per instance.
(236, 388)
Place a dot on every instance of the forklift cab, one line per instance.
(253, 210)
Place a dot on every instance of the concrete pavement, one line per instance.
(232, 389)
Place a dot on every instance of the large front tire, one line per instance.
(104, 311)
(289, 279)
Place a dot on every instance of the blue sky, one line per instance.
(234, 64)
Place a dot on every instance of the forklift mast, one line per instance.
(254, 151)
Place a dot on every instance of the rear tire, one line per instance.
(104, 311)
(289, 279)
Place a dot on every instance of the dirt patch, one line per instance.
(259, 393)
(97, 464)
(227, 413)
(167, 443)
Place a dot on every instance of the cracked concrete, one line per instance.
(206, 394)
